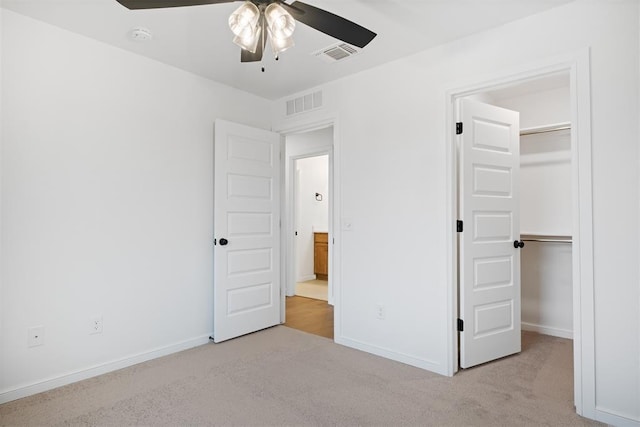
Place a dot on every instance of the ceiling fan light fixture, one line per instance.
(280, 45)
(244, 21)
(249, 41)
(280, 23)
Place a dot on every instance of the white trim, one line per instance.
(302, 126)
(582, 254)
(638, 97)
(302, 279)
(94, 371)
(578, 66)
(451, 157)
(408, 359)
(547, 330)
(2, 288)
(612, 419)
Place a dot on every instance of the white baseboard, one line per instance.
(393, 355)
(612, 419)
(546, 330)
(306, 278)
(64, 379)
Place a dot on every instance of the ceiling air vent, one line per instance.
(304, 103)
(336, 52)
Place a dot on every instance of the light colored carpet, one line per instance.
(316, 289)
(281, 376)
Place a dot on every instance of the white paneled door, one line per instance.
(247, 230)
(489, 259)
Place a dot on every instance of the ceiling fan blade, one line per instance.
(289, 7)
(247, 56)
(157, 4)
(333, 25)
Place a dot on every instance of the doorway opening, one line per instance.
(308, 167)
(576, 244)
(311, 223)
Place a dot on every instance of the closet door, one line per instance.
(489, 260)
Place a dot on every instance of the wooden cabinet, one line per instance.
(321, 255)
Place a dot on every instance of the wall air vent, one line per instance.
(304, 103)
(337, 52)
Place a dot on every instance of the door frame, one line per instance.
(577, 65)
(288, 220)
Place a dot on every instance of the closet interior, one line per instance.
(545, 201)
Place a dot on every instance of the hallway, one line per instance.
(310, 315)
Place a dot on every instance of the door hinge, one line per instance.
(459, 226)
(460, 325)
(215, 242)
(459, 128)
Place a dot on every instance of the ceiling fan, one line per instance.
(257, 21)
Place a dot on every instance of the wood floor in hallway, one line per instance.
(310, 315)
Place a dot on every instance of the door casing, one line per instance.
(576, 64)
(288, 221)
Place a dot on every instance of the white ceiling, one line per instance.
(197, 38)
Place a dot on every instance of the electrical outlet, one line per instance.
(95, 325)
(380, 311)
(35, 336)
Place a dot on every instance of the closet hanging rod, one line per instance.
(544, 129)
(549, 240)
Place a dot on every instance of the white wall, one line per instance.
(393, 188)
(546, 210)
(540, 108)
(547, 292)
(312, 214)
(545, 181)
(107, 203)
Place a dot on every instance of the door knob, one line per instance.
(223, 241)
(518, 244)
